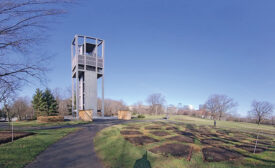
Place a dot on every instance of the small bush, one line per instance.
(141, 116)
(50, 118)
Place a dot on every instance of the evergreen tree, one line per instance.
(44, 103)
(49, 104)
(36, 102)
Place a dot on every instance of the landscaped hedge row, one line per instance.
(50, 118)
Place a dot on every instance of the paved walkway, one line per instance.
(75, 150)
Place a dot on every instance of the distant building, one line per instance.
(188, 107)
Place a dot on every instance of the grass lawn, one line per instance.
(22, 151)
(35, 123)
(249, 127)
(117, 151)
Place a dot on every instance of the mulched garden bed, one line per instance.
(213, 154)
(211, 141)
(233, 139)
(160, 133)
(227, 132)
(189, 134)
(250, 148)
(127, 132)
(260, 137)
(263, 142)
(152, 128)
(131, 127)
(172, 128)
(5, 136)
(181, 139)
(141, 140)
(174, 149)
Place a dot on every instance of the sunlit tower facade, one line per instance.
(87, 55)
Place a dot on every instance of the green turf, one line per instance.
(116, 152)
(35, 123)
(22, 151)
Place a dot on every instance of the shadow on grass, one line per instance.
(143, 162)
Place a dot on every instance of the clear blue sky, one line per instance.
(184, 49)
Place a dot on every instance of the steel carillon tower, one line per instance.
(87, 54)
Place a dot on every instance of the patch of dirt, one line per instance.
(160, 133)
(152, 127)
(127, 132)
(214, 154)
(181, 139)
(209, 135)
(227, 132)
(235, 139)
(6, 136)
(260, 137)
(189, 134)
(263, 142)
(174, 149)
(172, 128)
(250, 148)
(211, 141)
(141, 140)
(131, 128)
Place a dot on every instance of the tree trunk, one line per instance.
(215, 123)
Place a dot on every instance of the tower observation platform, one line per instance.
(87, 56)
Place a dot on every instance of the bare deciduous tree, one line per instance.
(22, 25)
(260, 111)
(64, 101)
(156, 101)
(218, 105)
(111, 107)
(22, 109)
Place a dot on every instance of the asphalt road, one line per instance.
(75, 150)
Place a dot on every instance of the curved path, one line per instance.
(75, 150)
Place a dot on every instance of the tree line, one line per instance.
(216, 107)
(43, 103)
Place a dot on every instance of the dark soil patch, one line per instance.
(235, 139)
(152, 128)
(6, 136)
(181, 139)
(172, 128)
(210, 135)
(141, 140)
(189, 134)
(223, 132)
(263, 142)
(211, 141)
(250, 148)
(131, 128)
(160, 133)
(174, 149)
(126, 132)
(240, 136)
(214, 154)
(260, 137)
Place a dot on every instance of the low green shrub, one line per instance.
(141, 116)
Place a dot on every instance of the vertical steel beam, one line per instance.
(77, 80)
(72, 56)
(102, 82)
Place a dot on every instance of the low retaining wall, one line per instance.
(86, 115)
(124, 115)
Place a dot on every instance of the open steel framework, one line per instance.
(87, 55)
